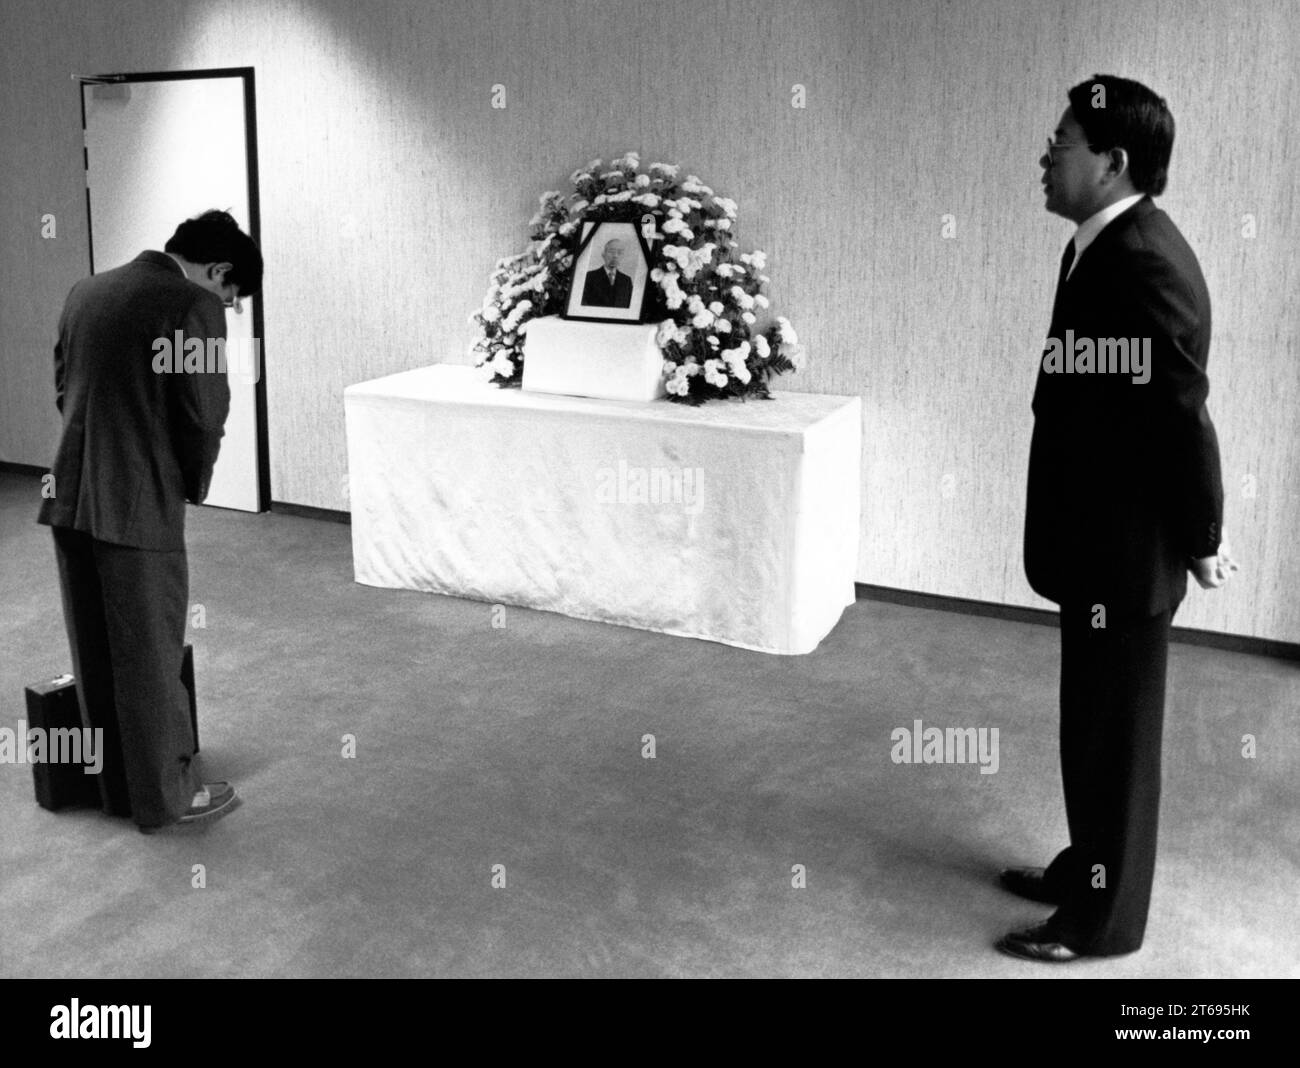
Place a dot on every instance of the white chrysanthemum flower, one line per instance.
(491, 313)
(742, 374)
(502, 365)
(727, 205)
(716, 307)
(692, 368)
(678, 386)
(748, 318)
(642, 180)
(578, 206)
(723, 224)
(703, 319)
(762, 301)
(671, 289)
(722, 326)
(673, 225)
(762, 348)
(788, 336)
(512, 320)
(742, 299)
(664, 170)
(712, 341)
(665, 333)
(650, 200)
(670, 367)
(695, 304)
(725, 269)
(656, 274)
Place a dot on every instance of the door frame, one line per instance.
(254, 222)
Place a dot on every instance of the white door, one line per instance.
(157, 153)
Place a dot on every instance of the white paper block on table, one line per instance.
(608, 361)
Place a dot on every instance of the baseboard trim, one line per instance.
(8, 468)
(306, 511)
(1233, 643)
(1209, 639)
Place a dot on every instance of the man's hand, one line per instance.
(1213, 571)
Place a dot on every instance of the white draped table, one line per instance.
(734, 522)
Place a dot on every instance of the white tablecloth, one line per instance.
(549, 502)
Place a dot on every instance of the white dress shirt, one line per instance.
(1095, 224)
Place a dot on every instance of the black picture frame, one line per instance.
(586, 284)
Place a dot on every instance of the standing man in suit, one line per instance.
(1124, 498)
(140, 438)
(608, 287)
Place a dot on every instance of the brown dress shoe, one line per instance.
(1029, 883)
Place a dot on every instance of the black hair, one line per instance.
(215, 237)
(1121, 113)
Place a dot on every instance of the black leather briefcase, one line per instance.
(53, 705)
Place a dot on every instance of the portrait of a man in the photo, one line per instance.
(606, 286)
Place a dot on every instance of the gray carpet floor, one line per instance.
(521, 747)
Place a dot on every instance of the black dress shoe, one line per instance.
(220, 800)
(1037, 943)
(1029, 883)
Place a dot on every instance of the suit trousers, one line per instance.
(126, 610)
(1112, 713)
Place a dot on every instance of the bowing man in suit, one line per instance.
(140, 438)
(1124, 498)
(607, 286)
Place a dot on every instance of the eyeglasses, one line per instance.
(1054, 147)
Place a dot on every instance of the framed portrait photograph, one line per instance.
(610, 274)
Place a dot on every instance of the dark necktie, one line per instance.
(1067, 260)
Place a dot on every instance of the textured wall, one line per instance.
(389, 186)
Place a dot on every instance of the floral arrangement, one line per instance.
(707, 296)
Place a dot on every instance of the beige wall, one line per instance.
(389, 186)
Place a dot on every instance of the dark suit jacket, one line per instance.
(1124, 481)
(598, 292)
(136, 444)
